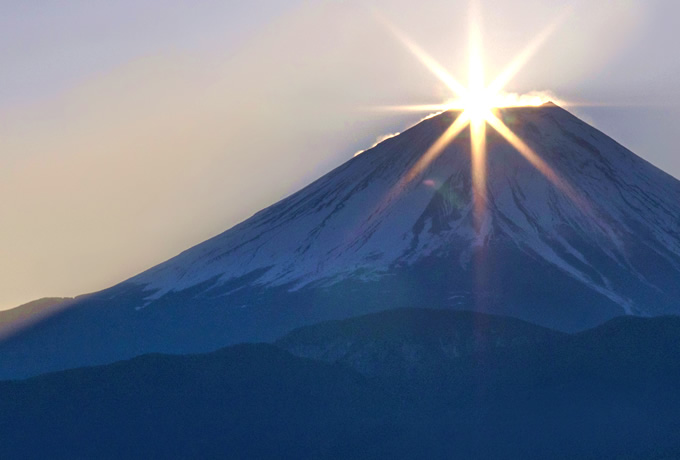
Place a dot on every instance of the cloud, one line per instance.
(378, 140)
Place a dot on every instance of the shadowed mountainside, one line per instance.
(31, 309)
(398, 384)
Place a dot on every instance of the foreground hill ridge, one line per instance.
(410, 339)
(344, 246)
(612, 387)
(454, 334)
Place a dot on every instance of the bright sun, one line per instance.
(479, 106)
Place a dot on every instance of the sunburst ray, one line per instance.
(478, 166)
(536, 161)
(477, 102)
(413, 108)
(436, 149)
(525, 55)
(458, 89)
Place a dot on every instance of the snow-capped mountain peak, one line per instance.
(362, 239)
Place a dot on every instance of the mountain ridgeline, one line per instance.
(347, 245)
(405, 383)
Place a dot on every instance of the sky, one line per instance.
(135, 129)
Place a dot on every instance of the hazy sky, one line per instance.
(134, 129)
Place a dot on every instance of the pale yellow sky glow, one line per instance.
(127, 136)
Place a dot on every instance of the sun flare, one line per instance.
(479, 105)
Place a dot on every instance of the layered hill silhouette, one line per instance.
(348, 245)
(406, 383)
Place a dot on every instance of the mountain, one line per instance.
(26, 314)
(247, 401)
(32, 311)
(347, 244)
(404, 343)
(478, 387)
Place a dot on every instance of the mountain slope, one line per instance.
(403, 343)
(526, 393)
(32, 310)
(347, 245)
(347, 225)
(248, 401)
